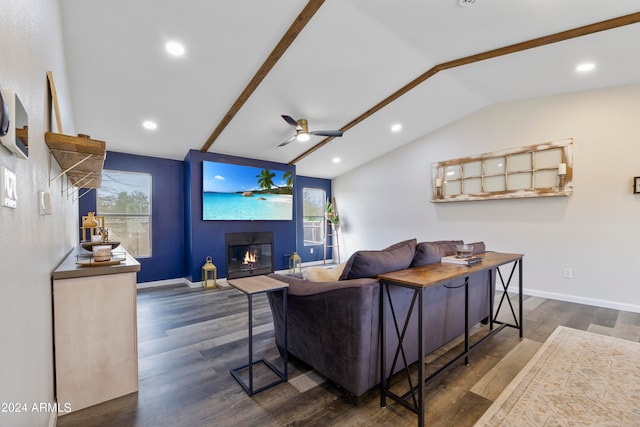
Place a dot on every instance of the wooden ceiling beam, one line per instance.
(296, 28)
(609, 24)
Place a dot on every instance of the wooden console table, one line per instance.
(439, 274)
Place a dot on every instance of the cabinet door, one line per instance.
(95, 333)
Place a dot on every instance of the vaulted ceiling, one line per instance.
(349, 57)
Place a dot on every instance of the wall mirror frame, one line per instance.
(542, 170)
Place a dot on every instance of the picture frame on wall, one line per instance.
(541, 170)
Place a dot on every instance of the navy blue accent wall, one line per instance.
(181, 240)
(206, 238)
(167, 259)
(318, 250)
(87, 203)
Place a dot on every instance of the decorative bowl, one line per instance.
(89, 245)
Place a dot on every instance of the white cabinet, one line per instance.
(95, 338)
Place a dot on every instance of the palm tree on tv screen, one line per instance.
(288, 178)
(265, 179)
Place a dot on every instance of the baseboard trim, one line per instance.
(158, 283)
(329, 261)
(582, 300)
(193, 285)
(221, 282)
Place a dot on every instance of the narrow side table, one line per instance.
(251, 286)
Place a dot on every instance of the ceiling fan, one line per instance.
(302, 131)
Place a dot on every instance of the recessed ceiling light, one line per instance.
(396, 127)
(466, 2)
(585, 67)
(174, 48)
(336, 160)
(150, 125)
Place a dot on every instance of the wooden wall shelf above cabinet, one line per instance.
(79, 157)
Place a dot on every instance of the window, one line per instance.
(535, 171)
(313, 215)
(125, 202)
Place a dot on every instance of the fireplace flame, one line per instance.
(249, 258)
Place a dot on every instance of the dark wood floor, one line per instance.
(189, 339)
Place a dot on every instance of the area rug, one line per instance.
(576, 378)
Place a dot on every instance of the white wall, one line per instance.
(31, 245)
(596, 231)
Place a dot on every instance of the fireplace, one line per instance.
(249, 254)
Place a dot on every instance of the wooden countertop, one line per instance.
(69, 269)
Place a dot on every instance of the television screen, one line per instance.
(235, 192)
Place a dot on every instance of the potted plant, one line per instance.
(332, 215)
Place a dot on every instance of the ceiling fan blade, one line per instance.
(290, 120)
(293, 138)
(334, 133)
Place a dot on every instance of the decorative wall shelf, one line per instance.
(80, 158)
(542, 170)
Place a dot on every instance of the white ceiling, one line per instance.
(350, 56)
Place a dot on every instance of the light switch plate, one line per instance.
(8, 193)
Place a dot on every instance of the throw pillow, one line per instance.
(321, 274)
(478, 247)
(372, 263)
(431, 252)
(411, 242)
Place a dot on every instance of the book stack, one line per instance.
(453, 259)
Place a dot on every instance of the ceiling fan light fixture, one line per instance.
(302, 131)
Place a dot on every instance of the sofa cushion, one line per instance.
(372, 263)
(411, 242)
(478, 247)
(431, 252)
(322, 274)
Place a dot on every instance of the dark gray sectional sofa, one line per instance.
(334, 326)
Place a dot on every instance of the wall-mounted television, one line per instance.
(245, 193)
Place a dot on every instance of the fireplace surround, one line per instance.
(249, 254)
